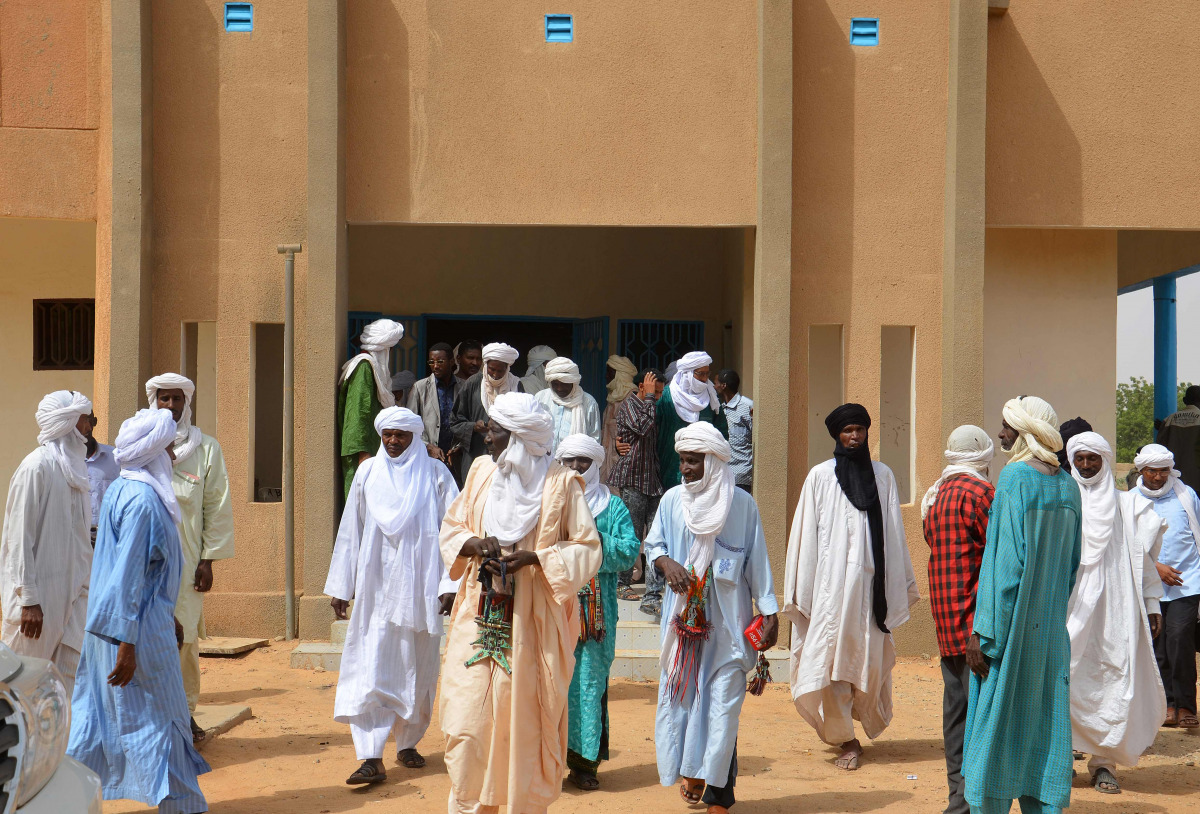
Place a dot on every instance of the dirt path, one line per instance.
(291, 757)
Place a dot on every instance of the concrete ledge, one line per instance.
(216, 719)
(316, 656)
(229, 646)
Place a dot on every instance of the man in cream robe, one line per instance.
(1117, 701)
(842, 604)
(386, 558)
(46, 551)
(572, 410)
(206, 528)
(505, 685)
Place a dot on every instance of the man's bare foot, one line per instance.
(851, 752)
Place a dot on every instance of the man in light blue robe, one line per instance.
(130, 715)
(707, 539)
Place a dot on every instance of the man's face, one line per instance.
(396, 441)
(721, 389)
(496, 369)
(701, 373)
(1008, 436)
(85, 425)
(580, 465)
(691, 466)
(172, 400)
(1088, 463)
(1156, 477)
(439, 364)
(853, 436)
(562, 389)
(655, 389)
(659, 386)
(470, 361)
(496, 439)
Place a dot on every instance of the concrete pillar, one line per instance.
(1166, 348)
(323, 310)
(963, 247)
(773, 277)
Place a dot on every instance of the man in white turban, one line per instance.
(522, 543)
(469, 417)
(572, 410)
(387, 561)
(1018, 735)
(129, 716)
(1178, 566)
(707, 539)
(1117, 702)
(955, 514)
(534, 381)
(46, 550)
(587, 732)
(688, 397)
(621, 373)
(365, 388)
(201, 486)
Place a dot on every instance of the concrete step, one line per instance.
(643, 665)
(337, 632)
(638, 636)
(316, 656)
(631, 612)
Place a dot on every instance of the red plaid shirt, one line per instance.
(956, 530)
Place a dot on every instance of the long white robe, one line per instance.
(46, 557)
(1117, 698)
(389, 671)
(563, 418)
(827, 598)
(206, 531)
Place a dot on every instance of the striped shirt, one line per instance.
(638, 468)
(739, 412)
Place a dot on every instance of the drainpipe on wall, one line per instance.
(1166, 379)
(289, 424)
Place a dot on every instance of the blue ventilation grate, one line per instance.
(864, 31)
(560, 28)
(239, 16)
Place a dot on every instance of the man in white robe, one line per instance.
(707, 539)
(46, 547)
(206, 529)
(573, 410)
(534, 380)
(387, 560)
(848, 583)
(1117, 701)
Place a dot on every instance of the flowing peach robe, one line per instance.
(506, 736)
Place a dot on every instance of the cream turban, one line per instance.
(622, 383)
(57, 416)
(500, 352)
(398, 418)
(1036, 424)
(581, 445)
(187, 437)
(514, 500)
(969, 452)
(377, 341)
(141, 451)
(562, 369)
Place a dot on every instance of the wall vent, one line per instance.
(239, 16)
(864, 31)
(560, 28)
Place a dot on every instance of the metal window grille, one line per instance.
(657, 343)
(64, 334)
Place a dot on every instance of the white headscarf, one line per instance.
(142, 453)
(1099, 495)
(397, 489)
(57, 415)
(377, 341)
(514, 500)
(581, 445)
(1156, 456)
(689, 394)
(534, 379)
(1036, 424)
(187, 437)
(970, 451)
(622, 383)
(492, 388)
(562, 369)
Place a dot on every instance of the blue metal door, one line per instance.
(657, 343)
(589, 349)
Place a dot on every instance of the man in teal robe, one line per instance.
(1018, 732)
(690, 397)
(364, 389)
(587, 699)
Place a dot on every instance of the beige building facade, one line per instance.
(928, 225)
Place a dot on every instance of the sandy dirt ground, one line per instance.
(292, 757)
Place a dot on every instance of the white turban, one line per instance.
(1036, 424)
(622, 383)
(187, 437)
(514, 500)
(377, 341)
(500, 352)
(969, 453)
(689, 394)
(1098, 494)
(492, 388)
(398, 418)
(404, 380)
(534, 379)
(141, 451)
(581, 445)
(57, 416)
(562, 369)
(1156, 456)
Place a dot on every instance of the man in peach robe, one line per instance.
(504, 703)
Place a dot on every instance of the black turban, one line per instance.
(1068, 430)
(843, 416)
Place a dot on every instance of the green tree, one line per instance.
(1135, 415)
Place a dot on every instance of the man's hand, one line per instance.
(482, 548)
(178, 634)
(674, 574)
(975, 658)
(340, 608)
(648, 387)
(203, 583)
(125, 667)
(515, 561)
(1169, 575)
(31, 621)
(445, 604)
(770, 630)
(622, 447)
(1155, 625)
(480, 426)
(435, 451)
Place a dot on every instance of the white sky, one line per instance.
(1135, 332)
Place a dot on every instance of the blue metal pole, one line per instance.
(1166, 382)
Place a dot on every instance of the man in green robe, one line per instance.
(690, 397)
(587, 699)
(1018, 732)
(365, 388)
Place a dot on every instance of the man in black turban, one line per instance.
(1069, 430)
